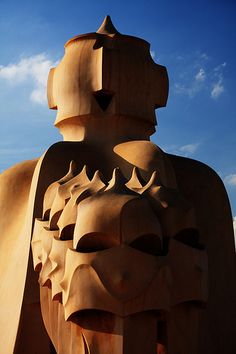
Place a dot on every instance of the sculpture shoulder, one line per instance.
(19, 174)
(195, 175)
(201, 185)
(15, 185)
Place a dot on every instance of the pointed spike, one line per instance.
(152, 181)
(95, 185)
(83, 177)
(136, 181)
(117, 182)
(52, 190)
(64, 193)
(70, 174)
(107, 27)
(84, 170)
(97, 175)
(78, 180)
(73, 167)
(98, 179)
(117, 176)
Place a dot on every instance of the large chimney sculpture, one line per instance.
(132, 249)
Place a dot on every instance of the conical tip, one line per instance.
(107, 27)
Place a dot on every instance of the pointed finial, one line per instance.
(136, 181)
(70, 174)
(97, 181)
(117, 180)
(107, 27)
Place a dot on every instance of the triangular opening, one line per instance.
(103, 98)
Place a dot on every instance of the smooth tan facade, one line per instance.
(108, 244)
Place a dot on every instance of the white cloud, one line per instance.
(201, 75)
(217, 85)
(190, 84)
(197, 74)
(39, 95)
(217, 88)
(190, 89)
(219, 67)
(184, 150)
(32, 69)
(189, 149)
(204, 56)
(230, 180)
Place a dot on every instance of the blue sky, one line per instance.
(195, 40)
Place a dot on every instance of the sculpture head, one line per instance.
(108, 76)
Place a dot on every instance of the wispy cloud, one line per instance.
(219, 67)
(191, 84)
(230, 180)
(32, 70)
(189, 149)
(201, 75)
(217, 89)
(218, 86)
(197, 74)
(184, 150)
(203, 56)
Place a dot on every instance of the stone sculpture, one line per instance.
(132, 248)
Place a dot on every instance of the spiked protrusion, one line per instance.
(78, 193)
(70, 174)
(82, 177)
(152, 181)
(97, 181)
(107, 27)
(117, 182)
(136, 181)
(63, 194)
(53, 188)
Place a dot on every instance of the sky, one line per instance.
(195, 40)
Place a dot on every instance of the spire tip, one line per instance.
(107, 27)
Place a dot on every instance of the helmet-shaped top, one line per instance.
(105, 74)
